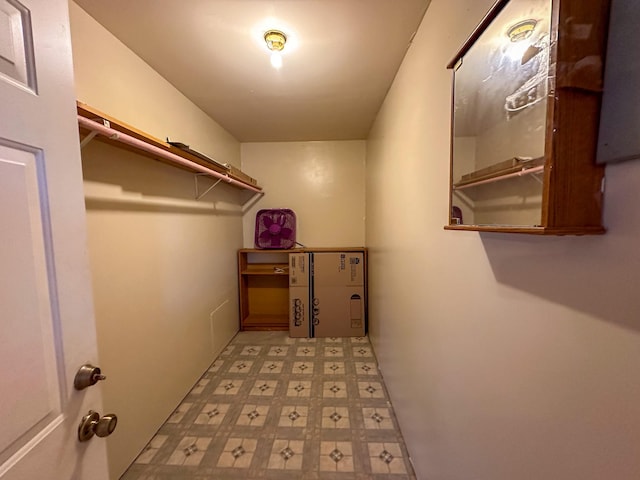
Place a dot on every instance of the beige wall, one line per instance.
(163, 265)
(507, 357)
(322, 182)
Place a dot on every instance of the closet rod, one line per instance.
(519, 173)
(124, 138)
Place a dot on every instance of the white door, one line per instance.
(47, 326)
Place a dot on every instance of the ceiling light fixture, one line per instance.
(275, 40)
(521, 30)
(518, 49)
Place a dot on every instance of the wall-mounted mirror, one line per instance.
(501, 87)
(526, 105)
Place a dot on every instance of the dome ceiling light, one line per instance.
(275, 41)
(521, 30)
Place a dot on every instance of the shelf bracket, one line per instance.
(85, 141)
(200, 195)
(537, 177)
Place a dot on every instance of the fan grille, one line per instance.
(275, 228)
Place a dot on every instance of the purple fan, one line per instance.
(275, 228)
(456, 215)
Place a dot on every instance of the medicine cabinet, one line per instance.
(527, 88)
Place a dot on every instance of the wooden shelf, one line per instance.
(532, 230)
(265, 322)
(115, 132)
(266, 269)
(301, 250)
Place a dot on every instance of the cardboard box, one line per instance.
(299, 295)
(338, 311)
(338, 269)
(299, 269)
(299, 312)
(240, 175)
(338, 295)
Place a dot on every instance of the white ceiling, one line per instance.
(340, 59)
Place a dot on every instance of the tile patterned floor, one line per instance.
(273, 407)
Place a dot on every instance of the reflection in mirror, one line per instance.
(501, 86)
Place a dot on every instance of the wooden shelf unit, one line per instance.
(263, 283)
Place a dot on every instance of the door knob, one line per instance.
(86, 376)
(92, 424)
